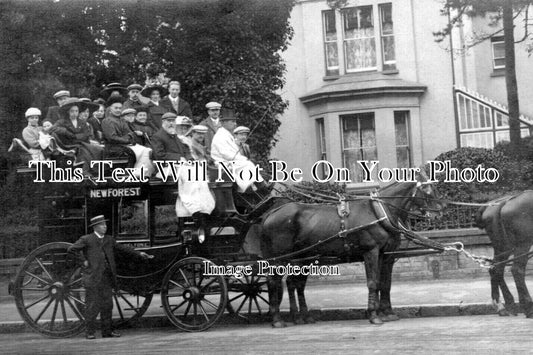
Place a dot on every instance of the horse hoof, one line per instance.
(376, 321)
(309, 320)
(389, 317)
(279, 324)
(503, 313)
(299, 321)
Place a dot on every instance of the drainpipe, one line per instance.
(455, 113)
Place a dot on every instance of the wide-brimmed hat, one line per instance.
(89, 104)
(73, 101)
(147, 91)
(228, 114)
(108, 90)
(241, 129)
(97, 220)
(61, 93)
(114, 99)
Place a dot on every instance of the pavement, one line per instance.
(340, 301)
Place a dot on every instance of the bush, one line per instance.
(515, 171)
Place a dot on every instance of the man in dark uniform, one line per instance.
(174, 103)
(53, 113)
(96, 252)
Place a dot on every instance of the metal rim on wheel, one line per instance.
(192, 300)
(49, 292)
(129, 307)
(247, 295)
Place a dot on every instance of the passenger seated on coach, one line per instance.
(31, 133)
(141, 124)
(119, 138)
(224, 149)
(71, 132)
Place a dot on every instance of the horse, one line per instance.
(365, 233)
(508, 222)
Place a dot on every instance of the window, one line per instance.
(359, 41)
(358, 141)
(330, 43)
(401, 133)
(498, 52)
(322, 143)
(387, 37)
(480, 125)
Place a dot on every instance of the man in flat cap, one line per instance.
(120, 138)
(241, 135)
(173, 103)
(212, 122)
(96, 252)
(225, 150)
(183, 124)
(53, 113)
(134, 100)
(165, 142)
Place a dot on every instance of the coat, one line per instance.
(53, 114)
(184, 109)
(212, 129)
(89, 248)
(169, 147)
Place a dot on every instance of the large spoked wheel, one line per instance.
(247, 295)
(128, 307)
(192, 300)
(49, 293)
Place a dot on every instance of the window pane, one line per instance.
(359, 41)
(401, 128)
(386, 19)
(330, 43)
(359, 141)
(332, 56)
(388, 49)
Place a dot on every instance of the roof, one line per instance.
(349, 86)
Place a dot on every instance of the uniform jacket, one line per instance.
(169, 147)
(53, 114)
(184, 109)
(90, 248)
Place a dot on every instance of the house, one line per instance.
(369, 82)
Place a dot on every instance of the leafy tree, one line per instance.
(503, 14)
(223, 50)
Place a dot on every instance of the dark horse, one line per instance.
(370, 229)
(509, 225)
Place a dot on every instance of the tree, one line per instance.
(502, 13)
(222, 50)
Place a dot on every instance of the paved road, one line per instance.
(448, 335)
(354, 295)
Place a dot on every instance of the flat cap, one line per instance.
(134, 87)
(183, 120)
(199, 128)
(32, 111)
(241, 129)
(128, 111)
(61, 93)
(169, 116)
(212, 105)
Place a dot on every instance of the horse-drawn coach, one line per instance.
(50, 295)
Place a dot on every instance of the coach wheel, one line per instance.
(192, 300)
(247, 295)
(129, 307)
(49, 293)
